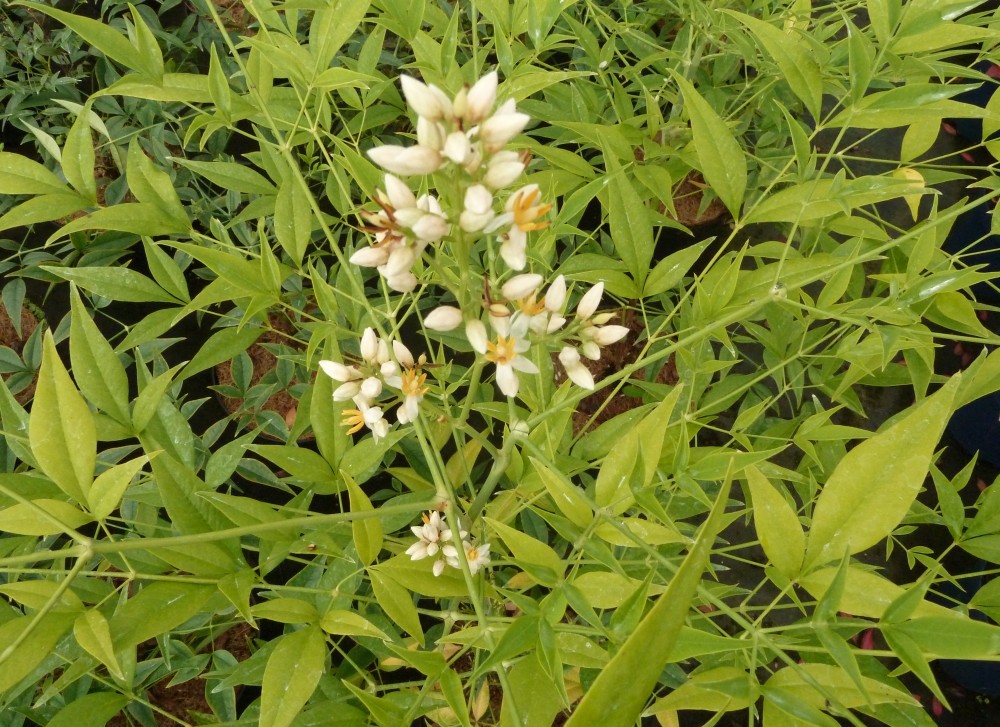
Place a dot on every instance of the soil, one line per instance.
(688, 198)
(280, 332)
(606, 404)
(183, 702)
(9, 338)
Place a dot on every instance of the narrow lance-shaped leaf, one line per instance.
(778, 528)
(78, 158)
(722, 160)
(61, 428)
(367, 531)
(98, 370)
(620, 692)
(875, 483)
(291, 675)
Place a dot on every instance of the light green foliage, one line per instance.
(535, 448)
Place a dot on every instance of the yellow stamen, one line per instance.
(526, 211)
(502, 352)
(530, 306)
(413, 383)
(354, 419)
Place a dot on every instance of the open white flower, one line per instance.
(477, 556)
(579, 374)
(428, 537)
(366, 416)
(506, 351)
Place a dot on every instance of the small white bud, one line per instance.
(370, 257)
(579, 374)
(421, 99)
(588, 304)
(521, 286)
(555, 296)
(402, 354)
(475, 331)
(369, 345)
(481, 97)
(406, 161)
(443, 318)
(606, 335)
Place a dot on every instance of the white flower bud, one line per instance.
(591, 350)
(481, 97)
(430, 134)
(606, 335)
(400, 261)
(402, 283)
(402, 354)
(406, 161)
(430, 228)
(579, 374)
(475, 331)
(478, 199)
(457, 147)
(521, 286)
(346, 392)
(502, 173)
(421, 99)
(339, 372)
(555, 296)
(371, 388)
(369, 345)
(398, 194)
(588, 304)
(443, 318)
(503, 126)
(370, 257)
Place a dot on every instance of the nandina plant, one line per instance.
(563, 463)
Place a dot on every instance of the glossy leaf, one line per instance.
(99, 34)
(534, 556)
(397, 602)
(109, 486)
(348, 623)
(42, 636)
(116, 283)
(630, 226)
(872, 488)
(78, 158)
(723, 163)
(367, 531)
(94, 634)
(778, 527)
(793, 57)
(156, 609)
(292, 220)
(61, 428)
(21, 175)
(865, 593)
(91, 710)
(97, 368)
(564, 494)
(622, 688)
(220, 347)
(42, 517)
(292, 673)
(230, 175)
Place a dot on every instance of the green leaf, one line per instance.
(229, 175)
(397, 602)
(722, 689)
(158, 608)
(872, 488)
(148, 55)
(613, 488)
(115, 283)
(91, 710)
(348, 623)
(564, 494)
(150, 398)
(179, 488)
(109, 487)
(292, 220)
(622, 688)
(367, 532)
(777, 525)
(165, 271)
(291, 675)
(152, 186)
(670, 271)
(237, 588)
(45, 208)
(630, 226)
(951, 638)
(41, 517)
(20, 175)
(134, 217)
(93, 633)
(416, 576)
(42, 636)
(865, 593)
(36, 594)
(61, 428)
(301, 463)
(98, 33)
(181, 87)
(286, 611)
(78, 158)
(221, 346)
(534, 556)
(794, 59)
(723, 163)
(909, 653)
(97, 368)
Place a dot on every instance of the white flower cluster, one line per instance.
(365, 383)
(434, 539)
(469, 134)
(586, 334)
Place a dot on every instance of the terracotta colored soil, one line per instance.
(9, 338)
